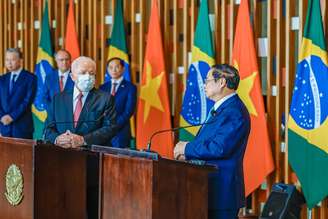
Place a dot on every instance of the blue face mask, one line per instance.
(85, 82)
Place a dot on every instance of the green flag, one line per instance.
(44, 65)
(308, 123)
(196, 106)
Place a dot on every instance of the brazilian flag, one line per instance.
(117, 47)
(195, 105)
(44, 66)
(308, 123)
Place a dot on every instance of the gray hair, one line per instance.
(15, 50)
(79, 60)
(62, 50)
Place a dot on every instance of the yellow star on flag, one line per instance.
(244, 90)
(149, 91)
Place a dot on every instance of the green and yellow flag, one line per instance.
(44, 65)
(308, 123)
(117, 47)
(196, 106)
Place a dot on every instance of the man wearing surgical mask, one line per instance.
(84, 115)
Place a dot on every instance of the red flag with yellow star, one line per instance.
(258, 161)
(153, 113)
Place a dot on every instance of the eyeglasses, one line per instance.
(86, 72)
(208, 80)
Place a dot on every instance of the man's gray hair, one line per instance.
(79, 60)
(15, 50)
(62, 50)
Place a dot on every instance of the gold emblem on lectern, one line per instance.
(14, 185)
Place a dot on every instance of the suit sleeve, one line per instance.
(229, 135)
(47, 96)
(1, 94)
(108, 129)
(27, 101)
(50, 129)
(130, 107)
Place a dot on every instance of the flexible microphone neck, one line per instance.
(176, 129)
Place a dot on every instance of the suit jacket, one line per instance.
(96, 122)
(222, 143)
(52, 86)
(125, 105)
(18, 104)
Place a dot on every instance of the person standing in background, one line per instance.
(60, 79)
(17, 93)
(125, 94)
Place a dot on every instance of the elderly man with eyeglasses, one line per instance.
(222, 142)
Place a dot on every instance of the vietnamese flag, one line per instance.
(71, 42)
(258, 161)
(153, 113)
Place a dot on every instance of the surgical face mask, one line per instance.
(85, 82)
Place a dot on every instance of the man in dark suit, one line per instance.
(84, 115)
(60, 79)
(222, 142)
(125, 94)
(17, 93)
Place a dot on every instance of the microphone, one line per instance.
(72, 122)
(213, 113)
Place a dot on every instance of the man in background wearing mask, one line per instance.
(80, 117)
(84, 115)
(60, 79)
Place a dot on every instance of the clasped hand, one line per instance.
(6, 120)
(69, 140)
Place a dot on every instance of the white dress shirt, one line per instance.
(221, 101)
(64, 75)
(118, 82)
(17, 73)
(76, 93)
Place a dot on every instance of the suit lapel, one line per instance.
(68, 100)
(217, 112)
(18, 81)
(86, 107)
(121, 87)
(56, 81)
(69, 83)
(7, 84)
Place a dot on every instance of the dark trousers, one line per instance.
(223, 214)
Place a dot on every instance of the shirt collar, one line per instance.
(16, 72)
(118, 81)
(221, 101)
(76, 93)
(63, 73)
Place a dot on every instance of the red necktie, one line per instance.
(114, 89)
(61, 83)
(78, 109)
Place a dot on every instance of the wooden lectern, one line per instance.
(54, 180)
(141, 185)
